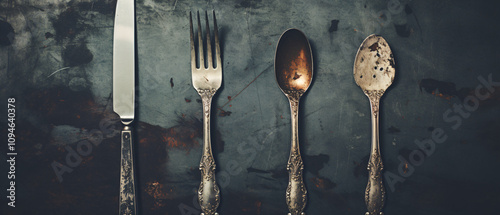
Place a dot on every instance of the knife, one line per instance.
(123, 97)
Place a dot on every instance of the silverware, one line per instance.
(207, 79)
(123, 98)
(374, 71)
(293, 66)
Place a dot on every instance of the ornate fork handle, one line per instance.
(296, 193)
(208, 193)
(375, 192)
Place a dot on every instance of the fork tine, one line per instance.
(209, 43)
(217, 46)
(193, 52)
(201, 56)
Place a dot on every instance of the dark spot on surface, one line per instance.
(171, 82)
(360, 76)
(405, 152)
(381, 69)
(323, 183)
(76, 55)
(488, 133)
(402, 30)
(374, 76)
(279, 173)
(102, 6)
(430, 128)
(375, 68)
(218, 144)
(393, 130)
(249, 4)
(187, 100)
(251, 169)
(373, 47)
(296, 76)
(48, 35)
(68, 25)
(225, 113)
(243, 203)
(6, 33)
(334, 26)
(391, 62)
(408, 9)
(360, 167)
(439, 88)
(184, 135)
(315, 163)
(62, 106)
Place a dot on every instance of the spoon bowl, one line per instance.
(293, 61)
(374, 67)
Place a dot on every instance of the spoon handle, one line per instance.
(375, 192)
(208, 193)
(296, 193)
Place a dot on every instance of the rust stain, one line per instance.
(323, 183)
(224, 113)
(159, 193)
(374, 47)
(405, 169)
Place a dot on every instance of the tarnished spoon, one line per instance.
(374, 72)
(293, 66)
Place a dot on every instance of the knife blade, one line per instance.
(124, 98)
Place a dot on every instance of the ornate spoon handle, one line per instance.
(375, 192)
(296, 193)
(208, 193)
(127, 185)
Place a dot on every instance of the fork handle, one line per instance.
(296, 193)
(375, 192)
(208, 193)
(127, 184)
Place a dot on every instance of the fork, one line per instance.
(207, 79)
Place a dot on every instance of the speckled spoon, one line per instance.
(374, 72)
(293, 66)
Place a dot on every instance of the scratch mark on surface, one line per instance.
(61, 69)
(175, 4)
(233, 97)
(312, 112)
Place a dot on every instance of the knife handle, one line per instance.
(127, 186)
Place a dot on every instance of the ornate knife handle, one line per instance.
(127, 185)
(375, 192)
(296, 193)
(208, 193)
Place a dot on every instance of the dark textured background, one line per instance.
(56, 60)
